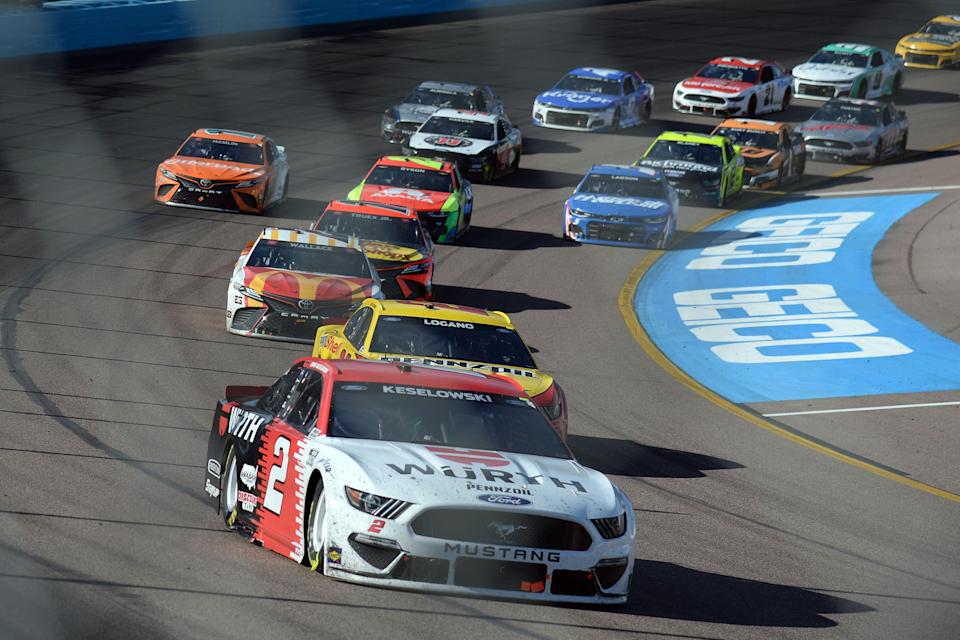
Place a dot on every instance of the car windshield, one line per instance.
(590, 85)
(727, 72)
(432, 338)
(942, 29)
(453, 418)
(403, 231)
(460, 127)
(837, 57)
(309, 258)
(440, 99)
(751, 138)
(224, 150)
(412, 177)
(841, 113)
(625, 186)
(686, 151)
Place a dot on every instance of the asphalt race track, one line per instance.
(114, 349)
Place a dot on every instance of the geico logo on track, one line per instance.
(448, 323)
(781, 323)
(782, 241)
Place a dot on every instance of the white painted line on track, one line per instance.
(867, 192)
(853, 409)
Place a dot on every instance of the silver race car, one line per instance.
(400, 121)
(848, 130)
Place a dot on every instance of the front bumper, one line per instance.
(928, 60)
(709, 105)
(838, 151)
(572, 119)
(814, 90)
(283, 319)
(222, 196)
(761, 177)
(441, 225)
(613, 230)
(397, 132)
(397, 557)
(478, 166)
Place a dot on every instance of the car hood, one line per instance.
(306, 286)
(413, 198)
(604, 205)
(715, 85)
(212, 169)
(533, 381)
(837, 131)
(576, 99)
(826, 72)
(408, 112)
(377, 250)
(449, 144)
(440, 475)
(671, 168)
(757, 154)
(930, 42)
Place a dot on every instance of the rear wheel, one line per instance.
(313, 531)
(229, 507)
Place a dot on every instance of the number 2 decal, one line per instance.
(377, 525)
(273, 498)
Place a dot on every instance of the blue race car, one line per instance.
(622, 206)
(591, 99)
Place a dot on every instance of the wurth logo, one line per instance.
(244, 424)
(470, 456)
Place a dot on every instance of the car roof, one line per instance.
(624, 170)
(731, 61)
(452, 87)
(415, 375)
(954, 19)
(406, 161)
(302, 236)
(229, 134)
(464, 114)
(598, 72)
(752, 124)
(370, 208)
(438, 311)
(690, 136)
(849, 47)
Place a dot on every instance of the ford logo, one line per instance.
(513, 501)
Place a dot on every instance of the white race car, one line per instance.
(418, 477)
(483, 145)
(843, 69)
(732, 86)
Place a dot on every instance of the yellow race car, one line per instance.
(445, 335)
(934, 46)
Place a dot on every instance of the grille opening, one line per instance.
(609, 572)
(165, 189)
(419, 569)
(379, 557)
(572, 583)
(246, 319)
(503, 528)
(498, 574)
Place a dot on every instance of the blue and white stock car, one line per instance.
(623, 206)
(591, 99)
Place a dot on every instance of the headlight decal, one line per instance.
(380, 506)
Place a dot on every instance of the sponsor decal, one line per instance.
(513, 501)
(314, 433)
(213, 468)
(244, 424)
(470, 456)
(334, 554)
(505, 530)
(212, 490)
(486, 475)
(248, 476)
(398, 192)
(463, 364)
(633, 202)
(436, 393)
(448, 323)
(578, 98)
(834, 126)
(247, 500)
(492, 487)
(448, 141)
(502, 553)
(376, 526)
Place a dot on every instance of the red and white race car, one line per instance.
(733, 86)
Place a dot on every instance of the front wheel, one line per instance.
(515, 165)
(752, 106)
(902, 149)
(721, 197)
(229, 507)
(897, 82)
(313, 531)
(615, 124)
(787, 96)
(878, 151)
(860, 90)
(646, 112)
(666, 238)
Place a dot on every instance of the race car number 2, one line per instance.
(273, 498)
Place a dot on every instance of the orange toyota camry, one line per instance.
(225, 171)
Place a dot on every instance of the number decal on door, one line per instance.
(273, 498)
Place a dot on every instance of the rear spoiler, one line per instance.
(237, 392)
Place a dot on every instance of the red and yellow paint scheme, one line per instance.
(291, 281)
(392, 237)
(774, 153)
(223, 170)
(444, 335)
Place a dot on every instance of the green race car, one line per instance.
(434, 189)
(698, 166)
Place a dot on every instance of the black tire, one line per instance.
(515, 165)
(878, 152)
(313, 542)
(801, 166)
(897, 82)
(752, 106)
(616, 120)
(666, 238)
(859, 91)
(787, 97)
(721, 196)
(902, 148)
(286, 184)
(229, 486)
(646, 112)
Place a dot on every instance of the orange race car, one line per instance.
(773, 152)
(224, 171)
(394, 241)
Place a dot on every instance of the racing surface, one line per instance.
(115, 351)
